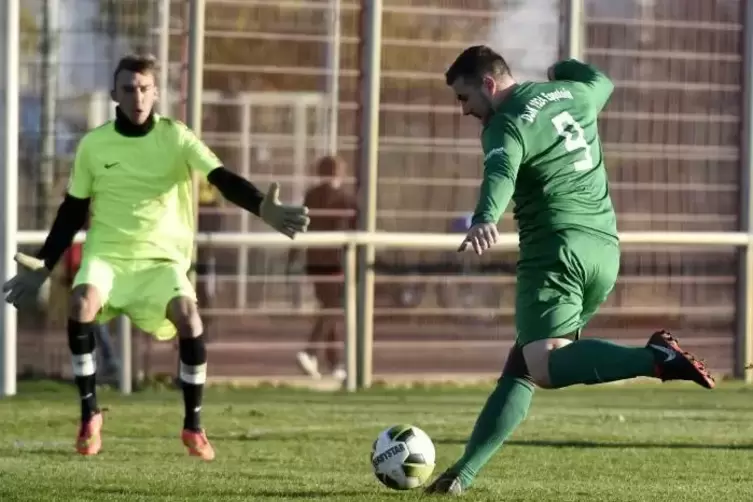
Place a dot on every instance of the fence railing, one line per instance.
(358, 318)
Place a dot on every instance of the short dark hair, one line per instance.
(136, 63)
(475, 62)
(330, 166)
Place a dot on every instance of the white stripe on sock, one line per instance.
(194, 375)
(84, 364)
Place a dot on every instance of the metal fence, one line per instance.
(673, 136)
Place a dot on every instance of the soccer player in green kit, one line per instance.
(541, 149)
(135, 176)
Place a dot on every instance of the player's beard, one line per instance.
(487, 115)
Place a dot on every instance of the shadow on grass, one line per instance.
(308, 494)
(546, 443)
(16, 452)
(253, 494)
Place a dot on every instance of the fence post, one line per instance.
(371, 55)
(165, 95)
(242, 266)
(9, 68)
(350, 306)
(194, 75)
(574, 29)
(743, 342)
(334, 41)
(50, 63)
(124, 332)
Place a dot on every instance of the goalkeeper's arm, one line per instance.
(237, 189)
(287, 220)
(70, 219)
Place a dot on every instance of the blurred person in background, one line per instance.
(334, 208)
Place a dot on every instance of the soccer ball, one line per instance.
(403, 457)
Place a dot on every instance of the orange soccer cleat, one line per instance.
(89, 440)
(197, 443)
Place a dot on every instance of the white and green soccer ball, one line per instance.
(403, 457)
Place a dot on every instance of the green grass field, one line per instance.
(615, 443)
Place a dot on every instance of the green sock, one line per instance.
(505, 409)
(598, 361)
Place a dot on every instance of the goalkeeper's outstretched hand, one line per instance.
(288, 220)
(24, 287)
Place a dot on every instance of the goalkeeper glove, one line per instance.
(24, 287)
(288, 220)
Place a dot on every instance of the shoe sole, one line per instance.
(434, 488)
(193, 453)
(702, 374)
(308, 371)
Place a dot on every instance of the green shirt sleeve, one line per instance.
(198, 155)
(599, 86)
(80, 183)
(503, 153)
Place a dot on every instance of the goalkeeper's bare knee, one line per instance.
(84, 303)
(184, 314)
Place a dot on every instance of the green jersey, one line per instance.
(541, 147)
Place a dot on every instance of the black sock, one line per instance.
(193, 374)
(81, 343)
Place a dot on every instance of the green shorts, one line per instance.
(139, 289)
(562, 283)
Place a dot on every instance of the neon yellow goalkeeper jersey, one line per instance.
(141, 190)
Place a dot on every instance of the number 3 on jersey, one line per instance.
(575, 139)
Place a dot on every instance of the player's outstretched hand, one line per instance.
(23, 288)
(481, 236)
(288, 220)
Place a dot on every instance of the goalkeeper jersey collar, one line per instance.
(127, 128)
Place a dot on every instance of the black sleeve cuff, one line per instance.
(71, 218)
(237, 189)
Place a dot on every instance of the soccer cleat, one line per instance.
(89, 440)
(673, 363)
(447, 483)
(197, 443)
(309, 364)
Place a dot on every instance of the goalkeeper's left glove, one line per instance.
(24, 287)
(288, 220)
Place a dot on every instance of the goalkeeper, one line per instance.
(541, 148)
(135, 176)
